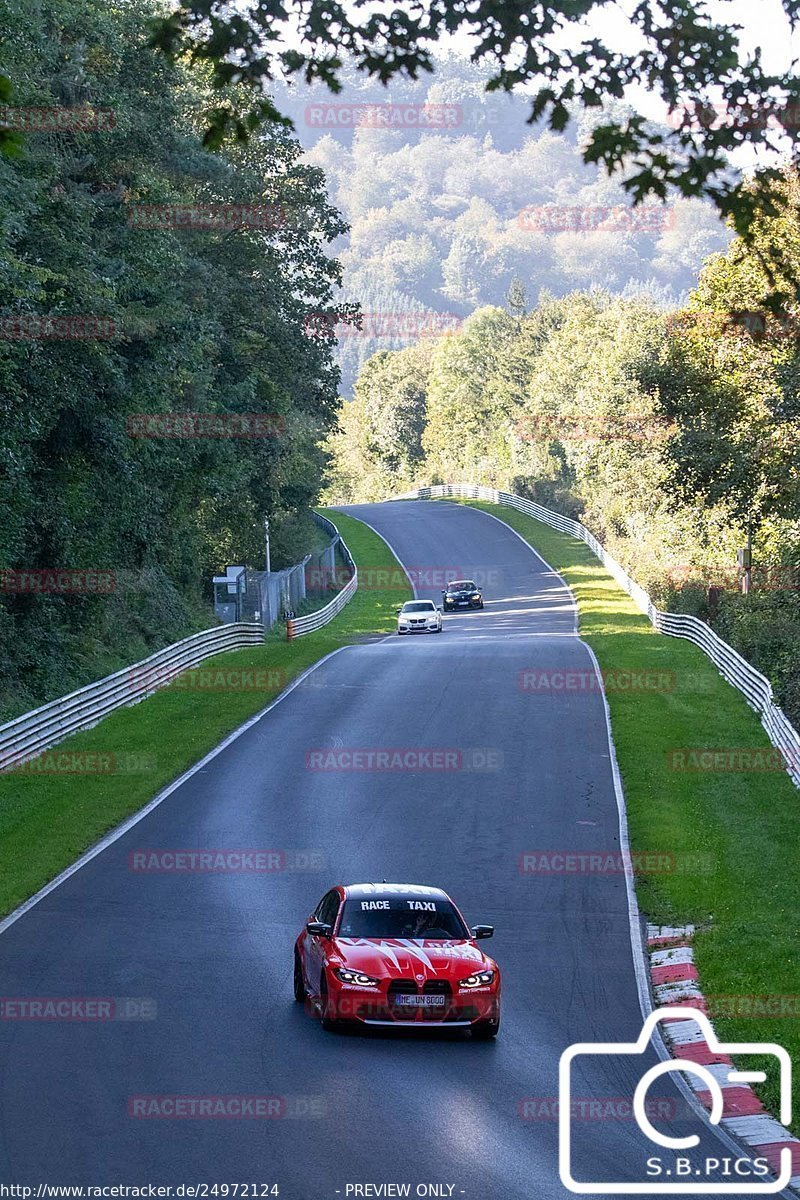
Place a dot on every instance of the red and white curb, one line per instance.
(675, 984)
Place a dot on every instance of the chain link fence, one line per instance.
(244, 594)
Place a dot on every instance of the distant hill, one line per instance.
(451, 195)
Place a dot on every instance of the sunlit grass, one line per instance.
(47, 820)
(734, 835)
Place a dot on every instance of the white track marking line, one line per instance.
(129, 823)
(138, 816)
(634, 920)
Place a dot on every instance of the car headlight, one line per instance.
(356, 977)
(479, 979)
(476, 595)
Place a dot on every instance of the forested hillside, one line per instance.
(666, 433)
(182, 316)
(445, 186)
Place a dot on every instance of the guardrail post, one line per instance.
(289, 629)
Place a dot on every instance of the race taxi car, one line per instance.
(419, 616)
(396, 954)
(462, 593)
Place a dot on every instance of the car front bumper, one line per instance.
(380, 1007)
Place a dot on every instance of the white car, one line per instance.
(419, 616)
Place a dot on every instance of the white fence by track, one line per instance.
(33, 732)
(27, 736)
(298, 626)
(730, 664)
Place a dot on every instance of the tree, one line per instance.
(517, 298)
(682, 54)
(212, 321)
(377, 446)
(739, 418)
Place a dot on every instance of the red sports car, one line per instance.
(396, 954)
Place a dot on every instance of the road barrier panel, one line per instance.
(735, 669)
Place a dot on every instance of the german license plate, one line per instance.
(421, 1001)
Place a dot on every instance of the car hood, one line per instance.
(404, 958)
(462, 591)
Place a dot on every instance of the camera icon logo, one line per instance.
(710, 1083)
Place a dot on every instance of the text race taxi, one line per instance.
(396, 954)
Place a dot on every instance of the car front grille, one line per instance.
(407, 987)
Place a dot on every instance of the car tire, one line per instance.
(299, 982)
(484, 1031)
(327, 1022)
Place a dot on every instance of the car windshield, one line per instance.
(419, 606)
(462, 585)
(402, 917)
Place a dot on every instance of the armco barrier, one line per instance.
(33, 732)
(28, 735)
(730, 664)
(298, 626)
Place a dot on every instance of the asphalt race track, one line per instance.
(211, 953)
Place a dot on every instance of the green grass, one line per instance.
(734, 835)
(48, 819)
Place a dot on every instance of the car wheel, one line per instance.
(327, 1022)
(299, 982)
(484, 1030)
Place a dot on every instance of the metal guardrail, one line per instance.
(33, 732)
(298, 626)
(28, 735)
(755, 687)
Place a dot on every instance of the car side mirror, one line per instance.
(482, 931)
(319, 929)
(398, 611)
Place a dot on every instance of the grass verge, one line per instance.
(732, 835)
(50, 815)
